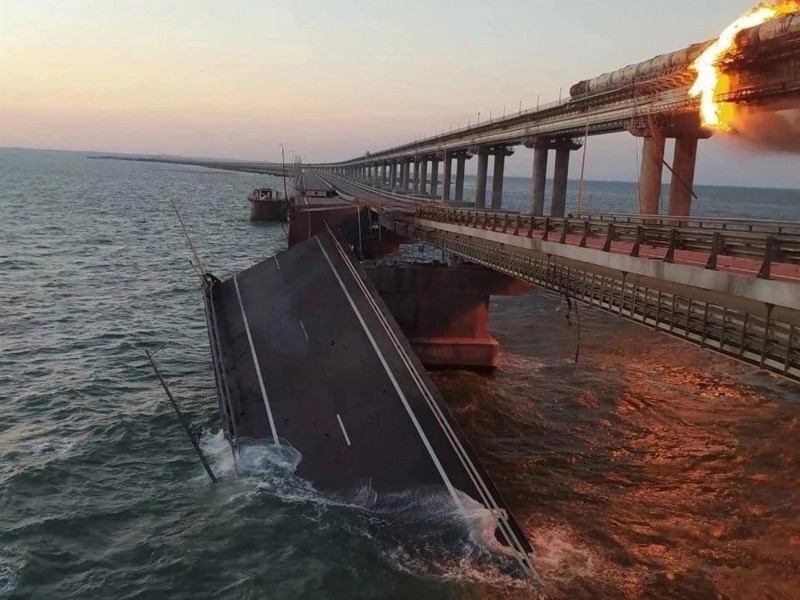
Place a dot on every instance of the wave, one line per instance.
(419, 531)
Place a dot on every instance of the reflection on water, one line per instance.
(652, 469)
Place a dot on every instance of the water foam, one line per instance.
(10, 567)
(420, 531)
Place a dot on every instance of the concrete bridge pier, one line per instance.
(415, 183)
(406, 167)
(652, 171)
(480, 178)
(541, 148)
(682, 184)
(498, 175)
(686, 131)
(560, 179)
(539, 179)
(444, 311)
(447, 169)
(423, 177)
(393, 175)
(434, 176)
(461, 161)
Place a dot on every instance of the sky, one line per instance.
(333, 79)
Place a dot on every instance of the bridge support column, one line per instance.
(415, 183)
(393, 175)
(560, 178)
(444, 312)
(651, 174)
(497, 176)
(480, 180)
(406, 175)
(447, 168)
(539, 179)
(682, 184)
(461, 161)
(434, 176)
(423, 177)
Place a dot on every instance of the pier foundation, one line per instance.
(444, 311)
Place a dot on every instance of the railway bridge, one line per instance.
(730, 285)
(650, 100)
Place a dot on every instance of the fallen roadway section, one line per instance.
(306, 354)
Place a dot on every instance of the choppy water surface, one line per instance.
(649, 470)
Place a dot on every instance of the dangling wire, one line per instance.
(568, 316)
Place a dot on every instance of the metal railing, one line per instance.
(772, 226)
(757, 338)
(712, 237)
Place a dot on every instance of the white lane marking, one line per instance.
(277, 263)
(303, 327)
(396, 385)
(255, 362)
(344, 431)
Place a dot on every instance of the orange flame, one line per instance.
(707, 64)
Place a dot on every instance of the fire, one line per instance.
(707, 64)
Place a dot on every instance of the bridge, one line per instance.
(264, 168)
(730, 285)
(650, 100)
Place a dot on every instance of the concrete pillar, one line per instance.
(415, 180)
(375, 175)
(423, 177)
(461, 162)
(406, 169)
(434, 176)
(560, 177)
(480, 183)
(683, 165)
(650, 178)
(497, 176)
(539, 180)
(393, 175)
(446, 176)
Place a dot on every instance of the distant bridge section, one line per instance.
(274, 169)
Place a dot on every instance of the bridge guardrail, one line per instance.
(775, 245)
(773, 226)
(769, 339)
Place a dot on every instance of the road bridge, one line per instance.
(265, 168)
(308, 358)
(650, 100)
(730, 285)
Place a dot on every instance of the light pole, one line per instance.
(283, 163)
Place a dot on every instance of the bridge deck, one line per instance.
(727, 309)
(310, 357)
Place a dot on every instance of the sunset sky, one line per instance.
(332, 79)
